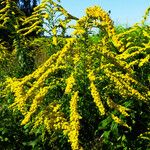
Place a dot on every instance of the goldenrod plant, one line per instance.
(10, 19)
(87, 85)
(52, 16)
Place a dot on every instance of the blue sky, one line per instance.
(125, 12)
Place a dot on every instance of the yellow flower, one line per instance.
(54, 40)
(97, 12)
(120, 108)
(70, 83)
(91, 75)
(119, 121)
(46, 16)
(54, 31)
(74, 123)
(97, 99)
(79, 32)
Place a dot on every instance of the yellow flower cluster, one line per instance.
(130, 80)
(123, 86)
(54, 40)
(82, 21)
(54, 31)
(97, 12)
(138, 51)
(46, 16)
(65, 51)
(54, 118)
(74, 122)
(120, 108)
(79, 32)
(144, 60)
(80, 26)
(39, 119)
(70, 83)
(119, 121)
(110, 56)
(36, 102)
(17, 88)
(117, 43)
(7, 12)
(37, 91)
(146, 34)
(35, 26)
(97, 99)
(76, 58)
(91, 75)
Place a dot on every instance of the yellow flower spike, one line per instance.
(144, 60)
(120, 108)
(91, 75)
(97, 99)
(74, 122)
(124, 87)
(55, 40)
(78, 32)
(46, 16)
(119, 121)
(26, 119)
(54, 31)
(76, 57)
(97, 12)
(35, 103)
(70, 83)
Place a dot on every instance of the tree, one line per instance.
(10, 19)
(27, 6)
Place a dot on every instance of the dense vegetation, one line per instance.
(89, 90)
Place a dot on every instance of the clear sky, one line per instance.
(122, 11)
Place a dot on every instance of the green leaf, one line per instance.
(114, 128)
(106, 134)
(106, 122)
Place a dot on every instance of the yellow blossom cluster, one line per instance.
(70, 82)
(119, 121)
(74, 123)
(36, 102)
(118, 107)
(76, 58)
(79, 32)
(113, 58)
(9, 9)
(98, 13)
(123, 86)
(138, 51)
(37, 91)
(91, 76)
(96, 96)
(52, 118)
(80, 26)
